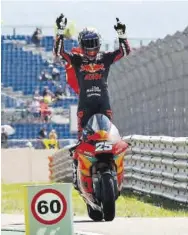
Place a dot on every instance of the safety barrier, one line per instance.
(60, 166)
(22, 165)
(156, 165)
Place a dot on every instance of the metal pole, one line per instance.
(14, 31)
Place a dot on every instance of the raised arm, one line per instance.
(124, 48)
(59, 49)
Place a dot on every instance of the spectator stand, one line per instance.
(22, 65)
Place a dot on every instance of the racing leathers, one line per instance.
(92, 78)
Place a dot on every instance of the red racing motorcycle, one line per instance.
(100, 167)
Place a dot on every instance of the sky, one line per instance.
(144, 19)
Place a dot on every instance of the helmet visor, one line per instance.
(90, 43)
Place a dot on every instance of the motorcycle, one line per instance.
(100, 169)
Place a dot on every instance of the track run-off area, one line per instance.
(119, 226)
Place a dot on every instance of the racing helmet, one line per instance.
(90, 41)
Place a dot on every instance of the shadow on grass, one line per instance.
(158, 201)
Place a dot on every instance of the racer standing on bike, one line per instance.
(91, 69)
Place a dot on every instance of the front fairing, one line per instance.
(101, 145)
(101, 136)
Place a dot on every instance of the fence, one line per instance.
(49, 31)
(156, 165)
(150, 88)
(36, 143)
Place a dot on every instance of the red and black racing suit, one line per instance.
(92, 79)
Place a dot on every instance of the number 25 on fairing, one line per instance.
(103, 146)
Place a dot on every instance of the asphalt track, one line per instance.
(120, 226)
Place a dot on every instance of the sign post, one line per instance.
(48, 209)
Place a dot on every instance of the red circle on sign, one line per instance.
(54, 221)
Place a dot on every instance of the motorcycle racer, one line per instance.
(91, 69)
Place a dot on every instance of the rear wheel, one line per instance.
(94, 214)
(108, 197)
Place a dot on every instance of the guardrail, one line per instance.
(156, 165)
(36, 143)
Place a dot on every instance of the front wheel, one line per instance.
(108, 197)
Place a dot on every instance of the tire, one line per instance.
(95, 215)
(108, 197)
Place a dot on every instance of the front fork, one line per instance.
(97, 183)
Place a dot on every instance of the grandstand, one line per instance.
(22, 64)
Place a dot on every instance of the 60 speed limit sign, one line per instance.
(48, 206)
(48, 209)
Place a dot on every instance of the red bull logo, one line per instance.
(92, 68)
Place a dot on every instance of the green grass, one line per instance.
(128, 206)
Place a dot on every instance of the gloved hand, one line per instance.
(61, 23)
(120, 28)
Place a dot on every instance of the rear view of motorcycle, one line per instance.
(100, 167)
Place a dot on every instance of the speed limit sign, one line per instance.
(48, 207)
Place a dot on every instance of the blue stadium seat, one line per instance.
(30, 131)
(21, 70)
(19, 65)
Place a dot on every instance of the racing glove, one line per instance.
(121, 29)
(61, 23)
